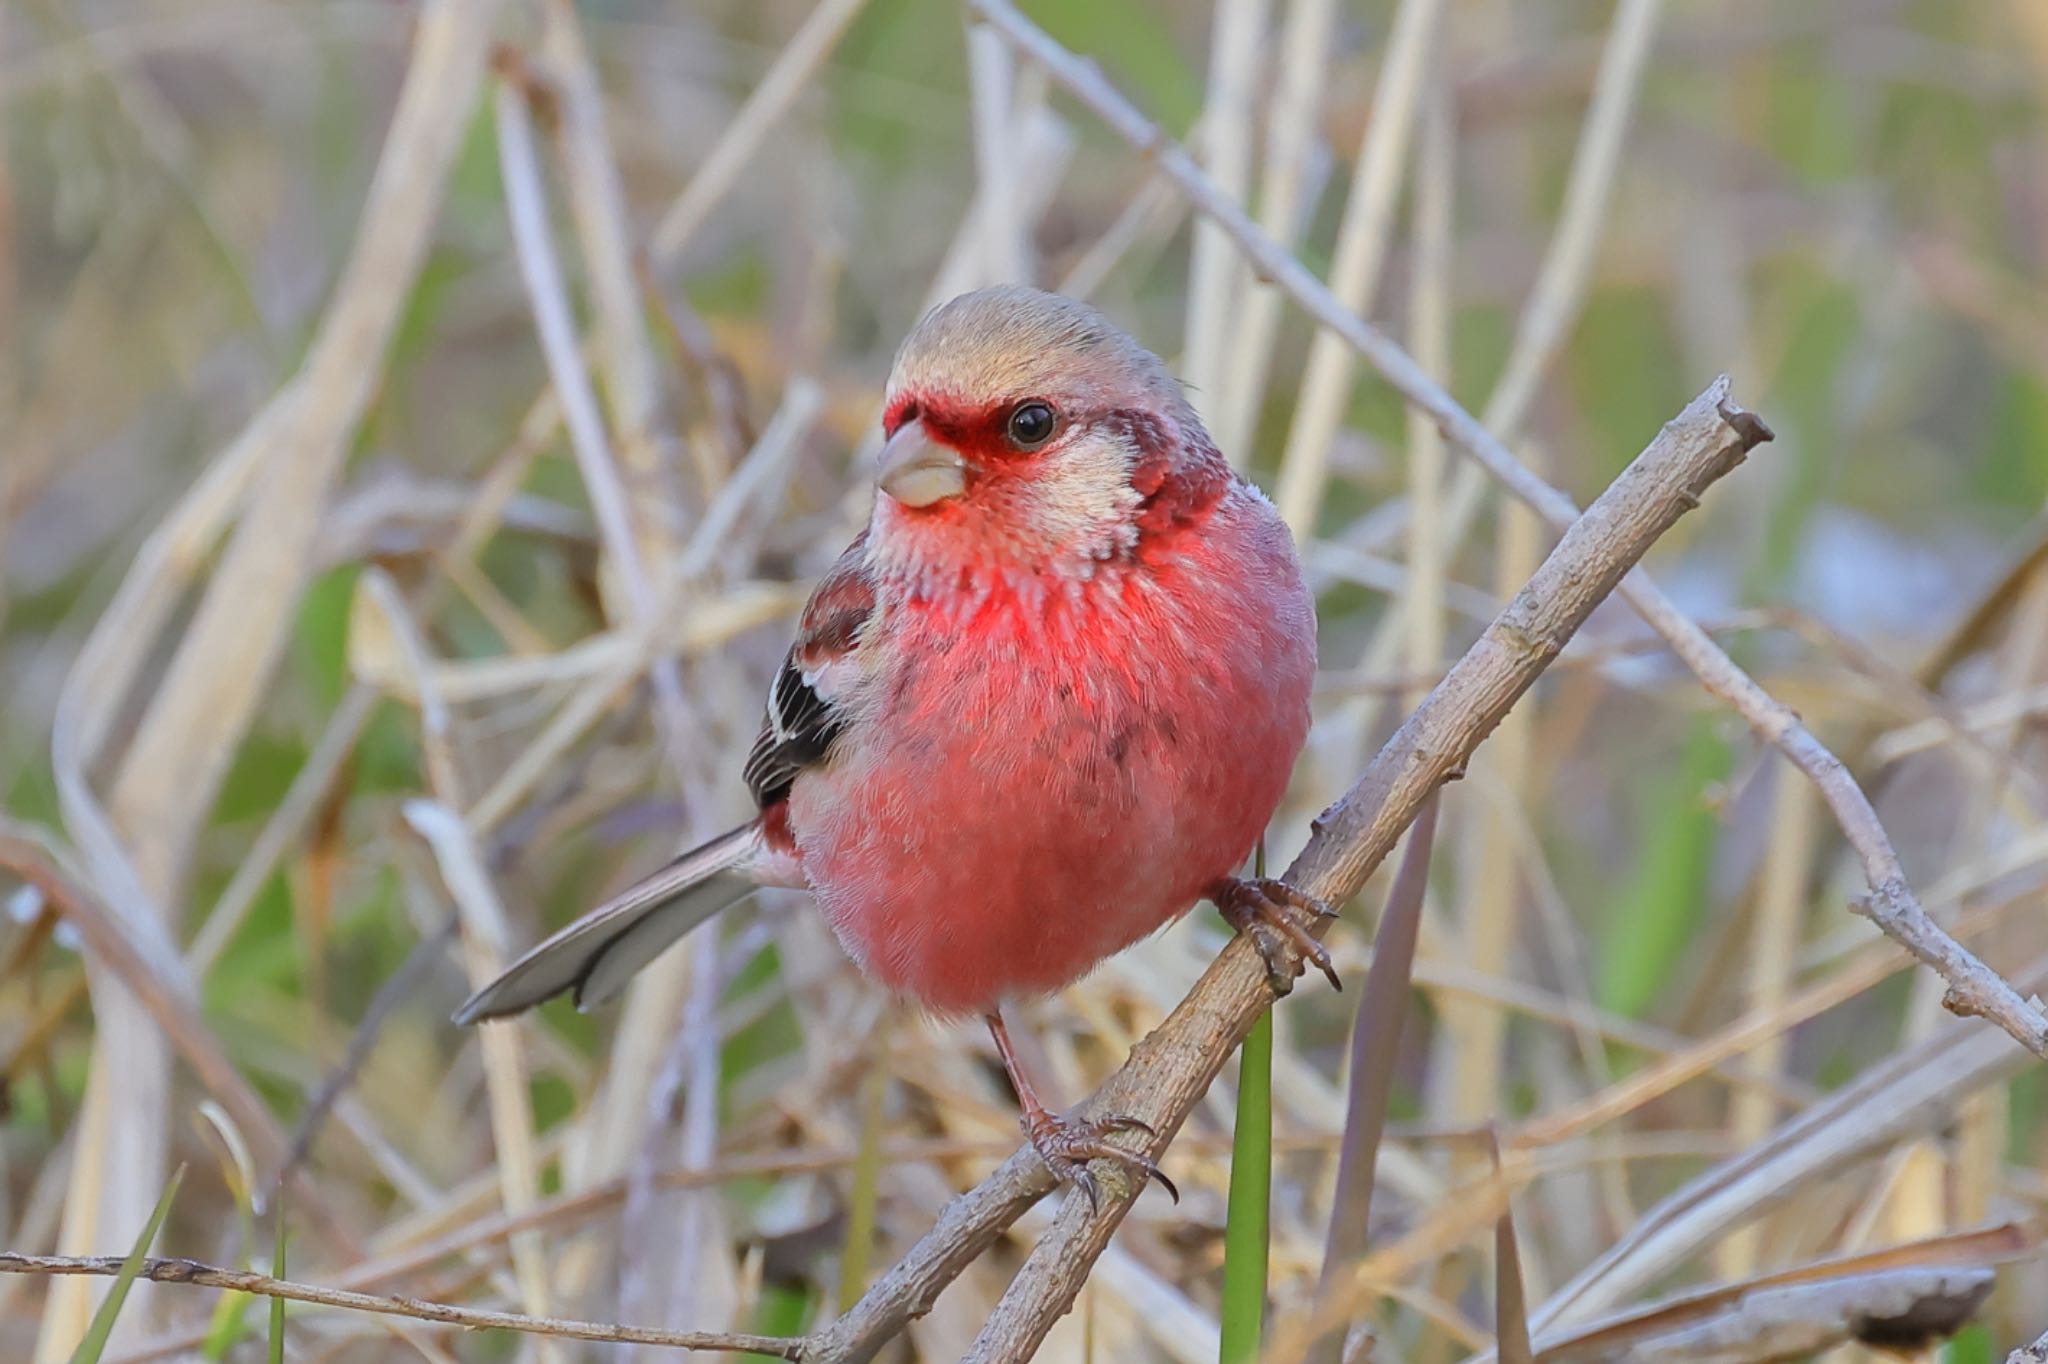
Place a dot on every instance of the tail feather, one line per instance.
(596, 955)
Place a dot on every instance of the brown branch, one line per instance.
(1974, 988)
(1169, 1070)
(469, 1318)
(1355, 834)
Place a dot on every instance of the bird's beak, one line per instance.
(918, 471)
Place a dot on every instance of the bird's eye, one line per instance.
(1031, 425)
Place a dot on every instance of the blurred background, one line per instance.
(335, 665)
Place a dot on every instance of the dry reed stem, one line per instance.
(632, 546)
(486, 947)
(1734, 1306)
(1005, 245)
(780, 87)
(1363, 239)
(597, 200)
(194, 720)
(1905, 1095)
(287, 822)
(1781, 900)
(165, 993)
(1237, 42)
(1286, 191)
(1553, 303)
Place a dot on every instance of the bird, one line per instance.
(1042, 705)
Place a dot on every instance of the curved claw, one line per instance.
(1085, 1182)
(1172, 1191)
(1066, 1145)
(1277, 917)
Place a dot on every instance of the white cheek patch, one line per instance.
(1084, 503)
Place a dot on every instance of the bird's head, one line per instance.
(1026, 432)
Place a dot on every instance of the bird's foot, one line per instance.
(1066, 1145)
(1278, 919)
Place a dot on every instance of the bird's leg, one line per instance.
(1278, 917)
(1066, 1144)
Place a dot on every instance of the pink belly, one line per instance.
(1042, 793)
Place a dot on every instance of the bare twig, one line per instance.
(1169, 1070)
(1891, 904)
(469, 1318)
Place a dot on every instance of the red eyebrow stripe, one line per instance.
(970, 430)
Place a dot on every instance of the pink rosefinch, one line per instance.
(1043, 704)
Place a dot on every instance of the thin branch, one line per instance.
(469, 1318)
(1974, 987)
(1169, 1071)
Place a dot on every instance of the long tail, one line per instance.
(596, 955)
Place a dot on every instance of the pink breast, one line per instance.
(1041, 788)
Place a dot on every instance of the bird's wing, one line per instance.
(803, 714)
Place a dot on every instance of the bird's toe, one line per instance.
(1066, 1145)
(1279, 920)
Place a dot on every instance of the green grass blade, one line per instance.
(1246, 1235)
(277, 1304)
(784, 1310)
(94, 1342)
(864, 1200)
(230, 1319)
(1655, 916)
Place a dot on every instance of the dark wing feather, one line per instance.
(801, 723)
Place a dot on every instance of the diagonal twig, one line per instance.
(1169, 1070)
(469, 1318)
(1891, 904)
